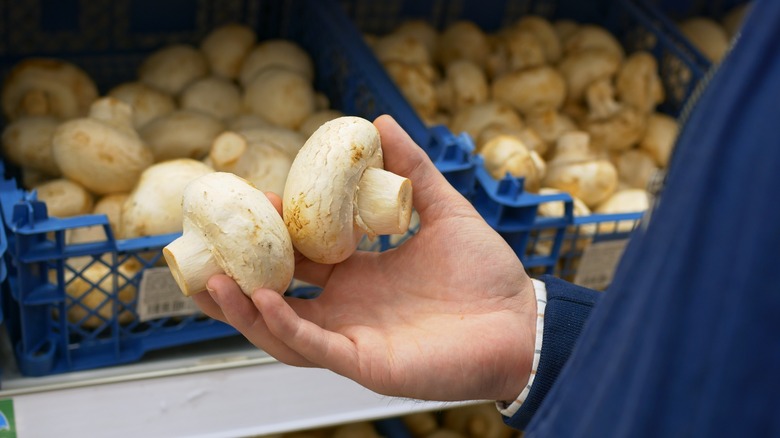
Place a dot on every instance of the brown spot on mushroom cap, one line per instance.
(356, 153)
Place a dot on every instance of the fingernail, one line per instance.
(213, 294)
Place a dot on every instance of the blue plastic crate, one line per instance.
(604, 236)
(513, 213)
(543, 244)
(109, 40)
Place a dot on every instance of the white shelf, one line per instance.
(224, 388)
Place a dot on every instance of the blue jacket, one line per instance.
(686, 341)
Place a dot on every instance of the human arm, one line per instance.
(451, 305)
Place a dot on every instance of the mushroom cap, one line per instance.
(284, 97)
(463, 40)
(707, 35)
(226, 47)
(621, 131)
(638, 82)
(102, 152)
(213, 95)
(545, 33)
(242, 229)
(423, 31)
(147, 102)
(278, 53)
(415, 85)
(260, 162)
(154, 205)
(591, 36)
(321, 191)
(585, 67)
(173, 67)
(65, 198)
(659, 138)
(181, 134)
(283, 139)
(402, 48)
(47, 86)
(531, 91)
(27, 141)
(465, 84)
(474, 119)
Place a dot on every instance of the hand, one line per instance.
(448, 315)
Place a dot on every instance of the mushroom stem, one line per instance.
(384, 202)
(191, 263)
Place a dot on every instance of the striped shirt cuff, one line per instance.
(504, 407)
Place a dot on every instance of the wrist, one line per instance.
(527, 369)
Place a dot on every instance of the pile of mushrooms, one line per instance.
(232, 104)
(559, 104)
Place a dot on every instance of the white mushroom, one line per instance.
(619, 131)
(527, 135)
(154, 205)
(181, 134)
(590, 36)
(65, 198)
(283, 139)
(507, 154)
(464, 84)
(416, 85)
(577, 170)
(147, 103)
(550, 125)
(402, 48)
(226, 47)
(707, 35)
(638, 82)
(109, 205)
(276, 53)
(622, 201)
(173, 67)
(659, 138)
(475, 118)
(282, 96)
(330, 204)
(102, 152)
(27, 142)
(515, 48)
(259, 162)
(636, 168)
(230, 227)
(463, 40)
(545, 33)
(46, 86)
(531, 91)
(422, 31)
(584, 67)
(213, 95)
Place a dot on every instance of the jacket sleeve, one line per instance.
(568, 307)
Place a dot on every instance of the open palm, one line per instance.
(448, 315)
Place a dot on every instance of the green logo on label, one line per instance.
(7, 421)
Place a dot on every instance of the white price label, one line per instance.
(598, 263)
(159, 296)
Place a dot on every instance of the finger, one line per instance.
(404, 157)
(276, 201)
(312, 272)
(208, 306)
(318, 346)
(242, 314)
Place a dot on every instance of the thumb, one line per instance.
(433, 195)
